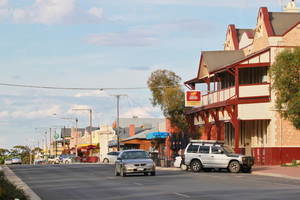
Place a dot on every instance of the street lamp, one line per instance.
(76, 134)
(90, 125)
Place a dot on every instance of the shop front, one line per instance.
(88, 152)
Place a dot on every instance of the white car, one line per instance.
(110, 157)
(16, 160)
(7, 161)
(178, 163)
(70, 159)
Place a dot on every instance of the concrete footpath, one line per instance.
(277, 171)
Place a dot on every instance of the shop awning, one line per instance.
(155, 135)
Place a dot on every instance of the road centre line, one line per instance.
(182, 195)
(138, 183)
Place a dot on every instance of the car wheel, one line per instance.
(234, 167)
(66, 162)
(183, 167)
(196, 166)
(122, 173)
(116, 172)
(152, 173)
(105, 160)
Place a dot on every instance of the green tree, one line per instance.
(168, 94)
(23, 152)
(285, 75)
(4, 153)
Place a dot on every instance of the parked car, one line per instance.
(179, 163)
(16, 160)
(110, 157)
(7, 161)
(62, 156)
(134, 161)
(53, 160)
(40, 162)
(70, 159)
(210, 154)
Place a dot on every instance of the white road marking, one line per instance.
(182, 195)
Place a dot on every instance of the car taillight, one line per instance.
(183, 157)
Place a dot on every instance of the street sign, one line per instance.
(56, 136)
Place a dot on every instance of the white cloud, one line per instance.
(144, 112)
(213, 3)
(151, 35)
(56, 11)
(126, 38)
(5, 10)
(91, 94)
(43, 111)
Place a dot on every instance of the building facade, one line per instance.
(237, 105)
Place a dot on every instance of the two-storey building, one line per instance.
(237, 105)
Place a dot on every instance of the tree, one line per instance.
(23, 152)
(169, 95)
(285, 74)
(4, 153)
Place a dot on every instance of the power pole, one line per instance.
(118, 119)
(91, 124)
(64, 144)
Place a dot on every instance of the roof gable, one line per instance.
(283, 22)
(218, 59)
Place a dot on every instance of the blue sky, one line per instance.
(101, 44)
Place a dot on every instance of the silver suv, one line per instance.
(211, 154)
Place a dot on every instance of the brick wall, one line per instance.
(289, 135)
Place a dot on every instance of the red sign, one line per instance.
(192, 98)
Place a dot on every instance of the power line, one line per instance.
(74, 88)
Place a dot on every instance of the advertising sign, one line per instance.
(192, 98)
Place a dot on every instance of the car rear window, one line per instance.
(193, 149)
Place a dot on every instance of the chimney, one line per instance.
(131, 130)
(291, 7)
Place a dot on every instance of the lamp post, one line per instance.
(76, 134)
(91, 139)
(76, 130)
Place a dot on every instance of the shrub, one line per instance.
(9, 191)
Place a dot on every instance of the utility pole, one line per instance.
(76, 135)
(118, 119)
(91, 125)
(50, 144)
(64, 144)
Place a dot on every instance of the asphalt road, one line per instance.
(97, 181)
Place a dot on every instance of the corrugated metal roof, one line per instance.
(217, 59)
(141, 135)
(241, 31)
(282, 21)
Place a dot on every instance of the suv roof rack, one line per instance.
(207, 141)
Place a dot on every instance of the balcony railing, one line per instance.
(253, 90)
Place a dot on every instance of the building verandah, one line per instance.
(236, 92)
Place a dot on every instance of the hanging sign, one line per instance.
(56, 136)
(192, 98)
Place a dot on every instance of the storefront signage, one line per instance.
(192, 98)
